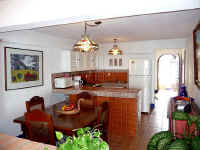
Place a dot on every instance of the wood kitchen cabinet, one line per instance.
(99, 77)
(107, 77)
(122, 115)
(121, 77)
(90, 77)
(124, 77)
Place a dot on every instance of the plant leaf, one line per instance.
(59, 135)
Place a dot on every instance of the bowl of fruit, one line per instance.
(69, 109)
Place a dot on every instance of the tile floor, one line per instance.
(150, 124)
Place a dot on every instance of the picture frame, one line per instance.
(196, 40)
(23, 68)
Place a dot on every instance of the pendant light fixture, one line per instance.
(115, 50)
(86, 44)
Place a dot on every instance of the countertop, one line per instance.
(107, 91)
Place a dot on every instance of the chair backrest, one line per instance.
(103, 119)
(87, 100)
(40, 127)
(103, 113)
(35, 102)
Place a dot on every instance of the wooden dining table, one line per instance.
(65, 123)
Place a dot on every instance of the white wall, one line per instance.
(12, 103)
(38, 13)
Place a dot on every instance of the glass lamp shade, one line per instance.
(86, 45)
(115, 50)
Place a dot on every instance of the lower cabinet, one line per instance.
(122, 115)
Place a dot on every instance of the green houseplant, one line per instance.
(165, 140)
(85, 139)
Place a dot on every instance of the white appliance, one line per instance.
(77, 82)
(140, 76)
(63, 82)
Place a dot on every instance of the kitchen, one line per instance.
(142, 49)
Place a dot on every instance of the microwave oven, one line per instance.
(63, 82)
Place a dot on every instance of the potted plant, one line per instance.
(165, 140)
(85, 139)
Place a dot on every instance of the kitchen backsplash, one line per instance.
(95, 76)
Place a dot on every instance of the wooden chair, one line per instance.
(35, 102)
(40, 127)
(88, 100)
(103, 119)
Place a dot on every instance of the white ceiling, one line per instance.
(145, 27)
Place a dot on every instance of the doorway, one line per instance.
(169, 75)
(168, 72)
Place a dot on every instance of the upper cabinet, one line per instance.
(82, 61)
(112, 62)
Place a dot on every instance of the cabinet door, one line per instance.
(90, 77)
(124, 77)
(115, 62)
(122, 116)
(74, 61)
(81, 62)
(100, 77)
(107, 77)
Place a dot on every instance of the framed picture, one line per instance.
(23, 68)
(196, 38)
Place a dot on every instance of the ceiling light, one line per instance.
(86, 44)
(115, 50)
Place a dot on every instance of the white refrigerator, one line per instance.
(140, 76)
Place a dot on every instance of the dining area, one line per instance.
(39, 123)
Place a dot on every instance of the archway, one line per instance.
(168, 72)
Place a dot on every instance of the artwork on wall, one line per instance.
(23, 68)
(196, 38)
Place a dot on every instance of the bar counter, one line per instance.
(103, 91)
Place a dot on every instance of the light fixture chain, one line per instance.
(85, 28)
